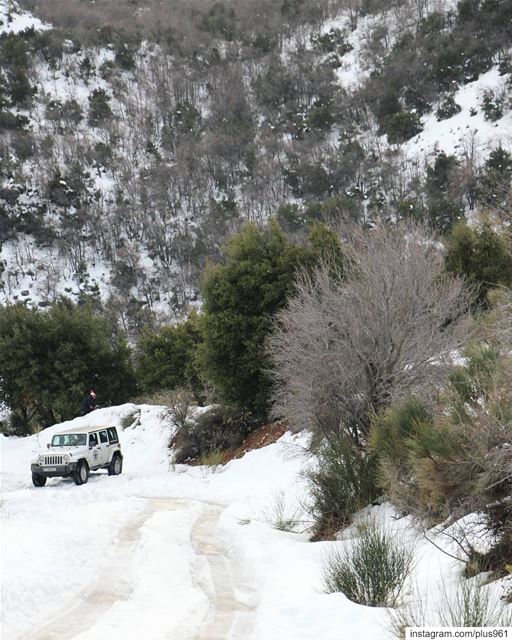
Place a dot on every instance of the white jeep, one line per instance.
(77, 451)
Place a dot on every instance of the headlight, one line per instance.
(40, 459)
(66, 458)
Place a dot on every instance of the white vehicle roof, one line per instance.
(84, 429)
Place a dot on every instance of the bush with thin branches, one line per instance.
(345, 347)
(469, 605)
(340, 484)
(372, 571)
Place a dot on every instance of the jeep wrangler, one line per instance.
(76, 452)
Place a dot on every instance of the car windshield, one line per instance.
(69, 439)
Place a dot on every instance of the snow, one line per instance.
(14, 20)
(124, 557)
(463, 131)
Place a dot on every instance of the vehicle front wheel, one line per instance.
(116, 466)
(81, 474)
(38, 480)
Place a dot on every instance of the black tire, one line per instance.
(38, 480)
(81, 474)
(116, 466)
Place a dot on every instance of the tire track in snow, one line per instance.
(229, 619)
(111, 585)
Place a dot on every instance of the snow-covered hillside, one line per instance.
(126, 164)
(14, 20)
(467, 132)
(166, 551)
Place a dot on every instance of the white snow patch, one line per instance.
(465, 131)
(14, 20)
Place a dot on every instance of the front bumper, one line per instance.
(54, 471)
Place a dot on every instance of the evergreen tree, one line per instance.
(482, 256)
(99, 108)
(444, 195)
(167, 359)
(241, 297)
(15, 65)
(48, 359)
(495, 182)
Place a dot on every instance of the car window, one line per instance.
(103, 436)
(93, 439)
(69, 440)
(112, 435)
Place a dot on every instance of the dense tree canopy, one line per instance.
(241, 297)
(48, 360)
(167, 359)
(482, 256)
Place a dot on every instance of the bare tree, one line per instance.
(350, 343)
(498, 329)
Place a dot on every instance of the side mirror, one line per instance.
(48, 446)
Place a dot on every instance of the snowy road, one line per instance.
(226, 618)
(109, 587)
(168, 553)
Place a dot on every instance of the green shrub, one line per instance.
(392, 429)
(402, 126)
(11, 122)
(320, 117)
(125, 55)
(400, 437)
(410, 210)
(492, 105)
(505, 64)
(279, 516)
(481, 255)
(372, 570)
(471, 605)
(72, 112)
(444, 193)
(454, 463)
(212, 459)
(333, 41)
(343, 482)
(447, 108)
(495, 180)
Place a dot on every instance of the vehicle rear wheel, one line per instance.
(81, 474)
(116, 466)
(38, 480)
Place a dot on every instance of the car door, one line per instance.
(95, 453)
(103, 447)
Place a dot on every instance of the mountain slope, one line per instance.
(135, 141)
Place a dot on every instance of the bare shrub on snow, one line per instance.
(471, 604)
(350, 343)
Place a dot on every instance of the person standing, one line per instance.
(89, 403)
